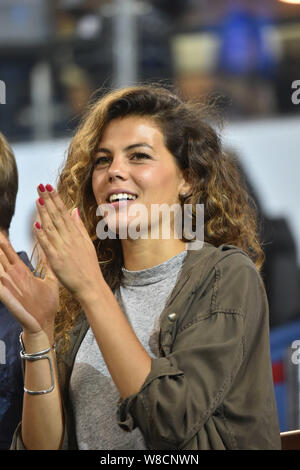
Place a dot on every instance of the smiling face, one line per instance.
(132, 157)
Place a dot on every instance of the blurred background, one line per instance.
(54, 54)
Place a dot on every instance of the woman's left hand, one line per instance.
(67, 245)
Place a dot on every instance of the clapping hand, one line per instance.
(33, 301)
(69, 258)
(67, 245)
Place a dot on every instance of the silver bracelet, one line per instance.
(44, 351)
(36, 357)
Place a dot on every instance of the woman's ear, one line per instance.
(186, 186)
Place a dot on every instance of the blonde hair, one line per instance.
(8, 183)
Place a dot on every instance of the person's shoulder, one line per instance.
(210, 256)
(225, 265)
(232, 278)
(234, 257)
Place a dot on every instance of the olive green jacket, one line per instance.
(211, 386)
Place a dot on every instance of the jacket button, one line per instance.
(172, 316)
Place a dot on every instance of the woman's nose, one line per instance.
(117, 169)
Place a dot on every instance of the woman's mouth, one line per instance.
(121, 199)
(121, 203)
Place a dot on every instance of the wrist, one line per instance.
(91, 295)
(35, 342)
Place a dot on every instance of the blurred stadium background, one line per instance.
(55, 54)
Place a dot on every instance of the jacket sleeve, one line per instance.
(184, 388)
(17, 442)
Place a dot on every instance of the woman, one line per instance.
(158, 346)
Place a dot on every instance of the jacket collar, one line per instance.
(192, 269)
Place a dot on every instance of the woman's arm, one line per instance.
(34, 302)
(73, 258)
(127, 360)
(42, 420)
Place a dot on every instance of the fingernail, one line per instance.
(41, 201)
(42, 188)
(78, 213)
(37, 225)
(49, 187)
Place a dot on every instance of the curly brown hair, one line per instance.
(231, 215)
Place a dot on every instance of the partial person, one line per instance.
(11, 378)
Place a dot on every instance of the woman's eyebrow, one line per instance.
(141, 144)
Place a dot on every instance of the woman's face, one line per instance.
(132, 158)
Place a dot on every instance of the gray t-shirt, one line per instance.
(142, 297)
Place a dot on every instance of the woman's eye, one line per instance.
(106, 160)
(140, 155)
(101, 160)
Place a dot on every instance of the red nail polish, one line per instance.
(49, 187)
(42, 188)
(37, 225)
(41, 201)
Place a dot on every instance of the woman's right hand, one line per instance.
(31, 300)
